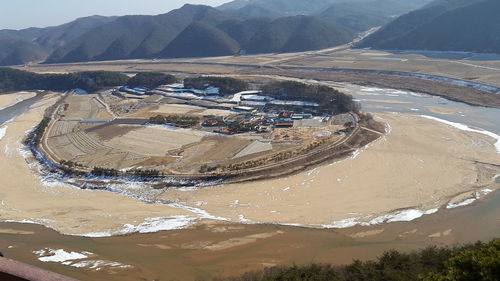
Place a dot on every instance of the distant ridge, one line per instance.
(444, 25)
(238, 27)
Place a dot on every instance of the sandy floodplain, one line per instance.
(7, 100)
(24, 197)
(418, 167)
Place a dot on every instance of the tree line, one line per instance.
(475, 262)
(226, 85)
(110, 172)
(151, 80)
(90, 81)
(18, 80)
(330, 100)
(40, 130)
(175, 120)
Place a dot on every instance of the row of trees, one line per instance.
(17, 80)
(478, 262)
(151, 80)
(147, 173)
(330, 100)
(226, 85)
(109, 172)
(175, 120)
(40, 130)
(71, 164)
(106, 172)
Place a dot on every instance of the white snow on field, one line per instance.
(464, 127)
(60, 255)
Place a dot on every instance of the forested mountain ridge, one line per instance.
(443, 25)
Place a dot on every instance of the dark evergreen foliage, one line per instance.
(151, 80)
(226, 85)
(330, 100)
(99, 171)
(477, 262)
(40, 129)
(175, 120)
(16, 80)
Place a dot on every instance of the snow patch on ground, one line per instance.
(74, 259)
(149, 225)
(464, 127)
(404, 215)
(60, 255)
(468, 201)
(98, 264)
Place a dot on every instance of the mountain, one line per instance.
(196, 31)
(449, 32)
(356, 15)
(361, 16)
(35, 44)
(282, 7)
(298, 33)
(13, 52)
(244, 30)
(135, 36)
(253, 11)
(441, 25)
(255, 26)
(57, 36)
(201, 40)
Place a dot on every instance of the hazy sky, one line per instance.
(17, 14)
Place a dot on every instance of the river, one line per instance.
(19, 108)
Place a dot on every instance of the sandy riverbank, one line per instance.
(65, 208)
(420, 165)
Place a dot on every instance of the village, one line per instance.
(243, 112)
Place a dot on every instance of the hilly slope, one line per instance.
(14, 52)
(201, 40)
(480, 32)
(389, 36)
(244, 31)
(282, 7)
(57, 36)
(299, 33)
(134, 36)
(35, 44)
(361, 16)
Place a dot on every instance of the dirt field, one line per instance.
(155, 140)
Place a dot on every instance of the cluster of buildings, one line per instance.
(253, 110)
